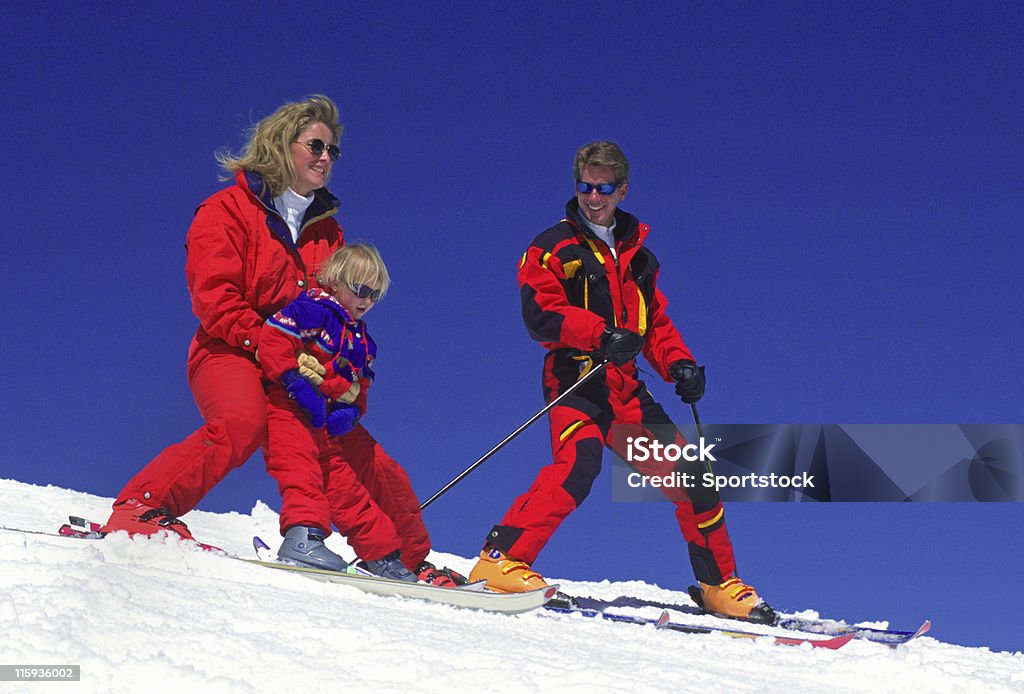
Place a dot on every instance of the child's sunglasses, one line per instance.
(364, 292)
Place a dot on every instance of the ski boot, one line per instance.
(504, 574)
(304, 546)
(389, 566)
(445, 577)
(734, 599)
(136, 518)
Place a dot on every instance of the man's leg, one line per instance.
(560, 487)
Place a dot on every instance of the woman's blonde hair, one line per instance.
(356, 263)
(268, 151)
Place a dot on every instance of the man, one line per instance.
(589, 292)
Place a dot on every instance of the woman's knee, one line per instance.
(244, 427)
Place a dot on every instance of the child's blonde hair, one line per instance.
(356, 263)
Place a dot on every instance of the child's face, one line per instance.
(356, 305)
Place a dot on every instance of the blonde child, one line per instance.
(318, 355)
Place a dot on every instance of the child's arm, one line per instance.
(340, 381)
(281, 341)
(361, 396)
(351, 405)
(284, 334)
(346, 380)
(345, 413)
(278, 351)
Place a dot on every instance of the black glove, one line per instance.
(689, 380)
(619, 345)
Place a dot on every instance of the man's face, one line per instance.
(600, 209)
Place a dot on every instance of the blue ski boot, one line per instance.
(304, 545)
(390, 566)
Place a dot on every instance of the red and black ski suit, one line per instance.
(572, 287)
(325, 478)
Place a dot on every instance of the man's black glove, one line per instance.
(619, 345)
(689, 380)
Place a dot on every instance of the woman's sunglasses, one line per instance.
(317, 147)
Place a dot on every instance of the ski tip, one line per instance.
(258, 543)
(662, 621)
(833, 643)
(213, 549)
(908, 636)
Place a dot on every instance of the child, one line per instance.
(327, 467)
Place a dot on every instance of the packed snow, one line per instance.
(155, 615)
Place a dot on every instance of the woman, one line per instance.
(243, 263)
(252, 248)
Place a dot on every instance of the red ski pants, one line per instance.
(347, 481)
(578, 440)
(229, 393)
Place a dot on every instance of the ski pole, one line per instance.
(700, 432)
(514, 434)
(696, 420)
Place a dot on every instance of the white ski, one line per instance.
(506, 603)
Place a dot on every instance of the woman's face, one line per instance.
(311, 171)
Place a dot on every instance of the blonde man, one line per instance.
(589, 294)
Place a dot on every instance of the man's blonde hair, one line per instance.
(356, 263)
(268, 151)
(601, 153)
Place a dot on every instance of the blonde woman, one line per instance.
(251, 249)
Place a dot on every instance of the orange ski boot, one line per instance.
(504, 574)
(735, 599)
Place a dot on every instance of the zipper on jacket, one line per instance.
(622, 290)
(294, 246)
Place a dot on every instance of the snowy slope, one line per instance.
(157, 616)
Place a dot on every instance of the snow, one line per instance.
(156, 615)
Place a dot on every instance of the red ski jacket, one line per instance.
(242, 265)
(572, 287)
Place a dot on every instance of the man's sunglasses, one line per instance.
(601, 188)
(317, 147)
(364, 292)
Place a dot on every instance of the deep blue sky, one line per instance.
(835, 194)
